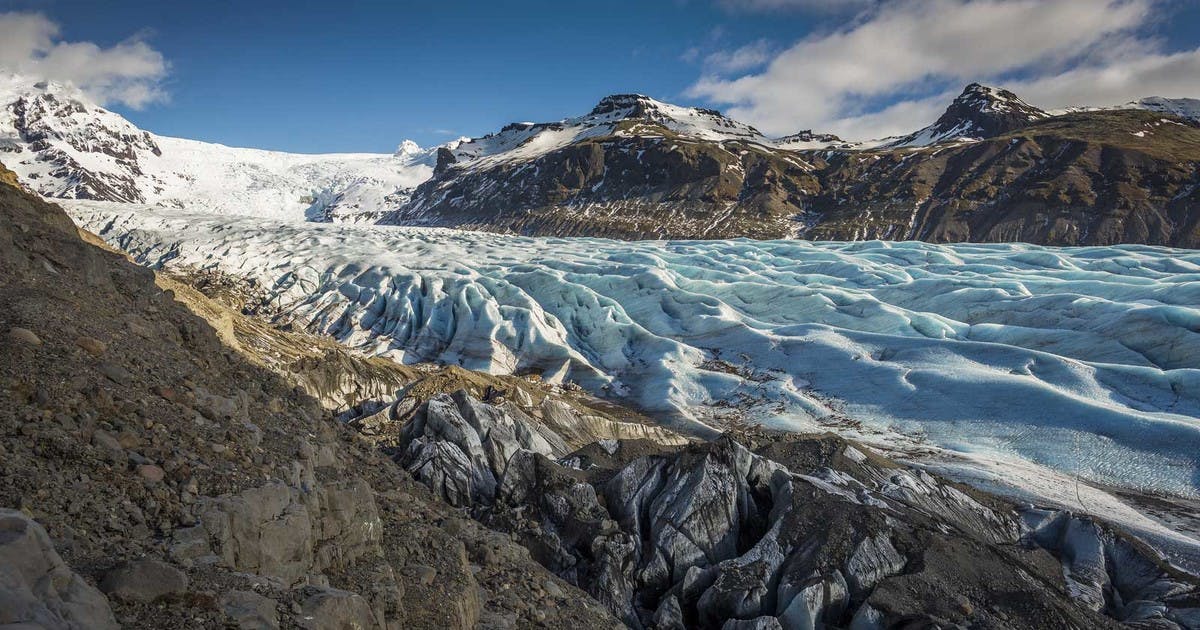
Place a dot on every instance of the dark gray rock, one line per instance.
(1109, 571)
(144, 581)
(332, 609)
(460, 446)
(250, 611)
(37, 589)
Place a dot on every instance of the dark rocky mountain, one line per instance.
(992, 168)
(808, 139)
(1093, 178)
(979, 112)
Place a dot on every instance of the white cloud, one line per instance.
(129, 72)
(751, 55)
(1119, 81)
(888, 71)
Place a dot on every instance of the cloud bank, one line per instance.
(128, 73)
(893, 68)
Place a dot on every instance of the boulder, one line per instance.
(144, 581)
(91, 345)
(280, 531)
(37, 589)
(250, 611)
(332, 609)
(23, 336)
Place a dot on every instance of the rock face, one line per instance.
(37, 589)
(284, 532)
(992, 168)
(1093, 178)
(782, 531)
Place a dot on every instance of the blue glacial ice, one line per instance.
(1082, 360)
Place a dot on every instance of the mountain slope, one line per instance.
(62, 145)
(991, 168)
(198, 489)
(979, 112)
(1089, 178)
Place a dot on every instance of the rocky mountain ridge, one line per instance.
(991, 168)
(979, 112)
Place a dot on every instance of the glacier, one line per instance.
(1081, 361)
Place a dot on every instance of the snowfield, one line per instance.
(61, 144)
(1084, 361)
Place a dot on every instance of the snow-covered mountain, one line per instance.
(979, 112)
(62, 145)
(1183, 107)
(636, 167)
(620, 115)
(808, 139)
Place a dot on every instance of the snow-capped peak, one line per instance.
(807, 139)
(980, 111)
(14, 85)
(693, 122)
(408, 147)
(619, 114)
(1183, 107)
(987, 99)
(61, 144)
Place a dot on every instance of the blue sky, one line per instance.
(362, 76)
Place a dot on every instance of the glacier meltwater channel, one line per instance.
(1082, 360)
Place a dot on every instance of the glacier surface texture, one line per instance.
(1085, 361)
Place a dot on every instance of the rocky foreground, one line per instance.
(166, 463)
(153, 475)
